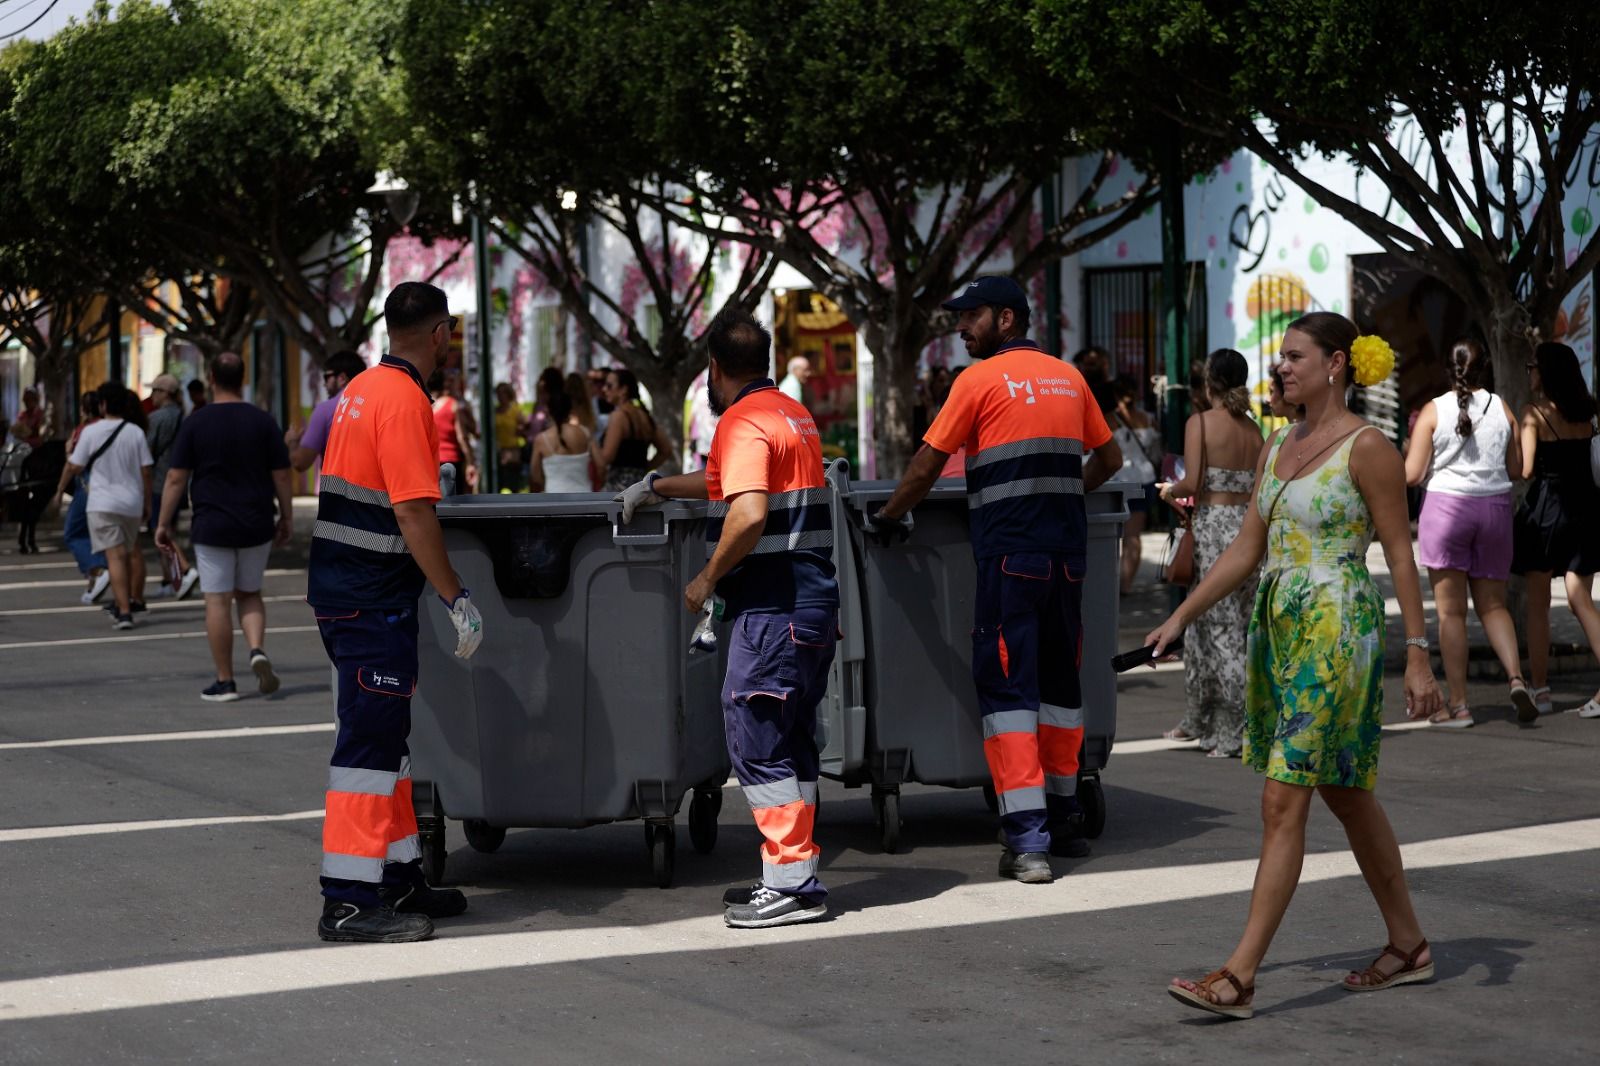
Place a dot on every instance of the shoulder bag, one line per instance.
(98, 452)
(1177, 565)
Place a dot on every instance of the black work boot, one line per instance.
(423, 898)
(1029, 867)
(347, 922)
(1067, 840)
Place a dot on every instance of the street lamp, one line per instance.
(400, 198)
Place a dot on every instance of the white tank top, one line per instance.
(1474, 465)
(567, 473)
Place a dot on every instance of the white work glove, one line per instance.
(639, 494)
(468, 622)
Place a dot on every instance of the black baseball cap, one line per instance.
(993, 290)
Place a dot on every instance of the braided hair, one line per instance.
(1468, 365)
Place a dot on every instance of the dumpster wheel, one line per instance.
(886, 809)
(430, 831)
(661, 839)
(1092, 798)
(703, 810)
(482, 836)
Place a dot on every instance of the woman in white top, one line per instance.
(1464, 449)
(560, 460)
(1140, 441)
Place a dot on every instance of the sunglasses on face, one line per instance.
(452, 321)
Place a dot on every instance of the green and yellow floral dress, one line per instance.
(1314, 680)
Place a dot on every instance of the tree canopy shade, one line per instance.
(510, 106)
(923, 131)
(1474, 118)
(211, 138)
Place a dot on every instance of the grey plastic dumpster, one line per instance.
(901, 706)
(583, 705)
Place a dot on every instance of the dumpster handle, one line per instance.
(637, 540)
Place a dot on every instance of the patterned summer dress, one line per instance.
(1314, 688)
(1214, 655)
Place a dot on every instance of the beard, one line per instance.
(718, 408)
(983, 344)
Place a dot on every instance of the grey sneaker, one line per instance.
(768, 906)
(266, 680)
(1029, 867)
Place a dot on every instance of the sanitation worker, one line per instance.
(376, 541)
(770, 542)
(1035, 443)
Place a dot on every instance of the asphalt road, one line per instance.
(160, 896)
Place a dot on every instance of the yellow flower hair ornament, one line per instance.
(1372, 359)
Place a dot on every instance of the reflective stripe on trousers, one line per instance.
(369, 833)
(785, 812)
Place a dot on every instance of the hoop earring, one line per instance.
(1330, 379)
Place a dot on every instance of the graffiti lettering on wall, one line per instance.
(1251, 231)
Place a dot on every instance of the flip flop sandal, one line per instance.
(1522, 699)
(1218, 753)
(1460, 718)
(1177, 733)
(1372, 979)
(1203, 999)
(1541, 700)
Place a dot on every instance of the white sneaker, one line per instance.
(1590, 709)
(98, 589)
(186, 586)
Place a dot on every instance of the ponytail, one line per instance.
(1234, 401)
(1467, 363)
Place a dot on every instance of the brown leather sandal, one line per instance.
(1372, 979)
(1202, 997)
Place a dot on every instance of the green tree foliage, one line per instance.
(926, 127)
(47, 301)
(1468, 119)
(219, 138)
(530, 112)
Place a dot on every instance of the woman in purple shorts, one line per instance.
(1464, 449)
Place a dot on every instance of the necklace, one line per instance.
(1300, 450)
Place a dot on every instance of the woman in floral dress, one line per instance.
(1222, 448)
(1314, 689)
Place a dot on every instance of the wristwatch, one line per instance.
(1417, 642)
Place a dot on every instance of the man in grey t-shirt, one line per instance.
(167, 395)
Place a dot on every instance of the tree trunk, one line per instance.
(1507, 326)
(667, 392)
(896, 347)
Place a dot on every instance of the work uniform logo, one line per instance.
(1025, 387)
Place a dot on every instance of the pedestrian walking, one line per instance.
(1314, 697)
(1140, 442)
(197, 394)
(451, 422)
(165, 417)
(1554, 532)
(770, 539)
(307, 445)
(1463, 448)
(231, 459)
(1036, 443)
(113, 455)
(1276, 404)
(75, 530)
(32, 424)
(376, 542)
(633, 444)
(797, 373)
(509, 429)
(561, 453)
(1222, 448)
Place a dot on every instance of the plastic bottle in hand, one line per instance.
(705, 637)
